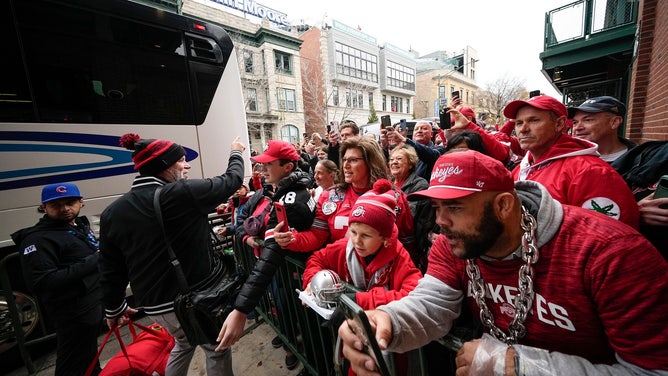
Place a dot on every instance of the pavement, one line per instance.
(252, 355)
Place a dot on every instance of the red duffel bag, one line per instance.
(146, 355)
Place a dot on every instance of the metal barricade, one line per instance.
(18, 326)
(300, 328)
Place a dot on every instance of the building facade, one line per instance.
(346, 75)
(439, 75)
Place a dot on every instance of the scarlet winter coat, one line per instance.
(395, 282)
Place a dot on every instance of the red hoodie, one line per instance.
(574, 174)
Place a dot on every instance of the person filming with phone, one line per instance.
(557, 286)
(422, 142)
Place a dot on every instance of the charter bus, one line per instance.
(75, 75)
(78, 74)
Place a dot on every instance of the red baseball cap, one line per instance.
(467, 111)
(463, 173)
(543, 102)
(277, 150)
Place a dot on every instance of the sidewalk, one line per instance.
(252, 355)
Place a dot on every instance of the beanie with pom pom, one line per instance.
(376, 208)
(152, 156)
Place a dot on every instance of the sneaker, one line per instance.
(277, 342)
(291, 361)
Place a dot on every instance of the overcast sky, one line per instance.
(508, 35)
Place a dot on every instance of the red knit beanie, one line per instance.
(152, 156)
(376, 208)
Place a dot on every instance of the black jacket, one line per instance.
(60, 265)
(423, 219)
(300, 209)
(133, 248)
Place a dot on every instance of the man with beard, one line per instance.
(59, 256)
(556, 285)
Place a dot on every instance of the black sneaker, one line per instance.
(277, 342)
(291, 361)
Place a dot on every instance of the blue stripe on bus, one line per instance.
(73, 176)
(120, 163)
(117, 157)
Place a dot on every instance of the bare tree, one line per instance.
(322, 104)
(497, 94)
(314, 94)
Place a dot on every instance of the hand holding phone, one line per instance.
(662, 189)
(385, 121)
(281, 215)
(402, 123)
(359, 324)
(444, 118)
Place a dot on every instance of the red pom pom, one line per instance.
(382, 186)
(128, 140)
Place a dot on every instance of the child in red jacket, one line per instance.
(370, 257)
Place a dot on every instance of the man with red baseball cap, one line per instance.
(570, 168)
(290, 188)
(554, 298)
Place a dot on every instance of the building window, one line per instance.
(335, 95)
(267, 99)
(384, 102)
(370, 99)
(356, 63)
(290, 133)
(248, 61)
(282, 62)
(354, 98)
(286, 99)
(251, 99)
(400, 76)
(408, 105)
(441, 92)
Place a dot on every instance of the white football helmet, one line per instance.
(326, 287)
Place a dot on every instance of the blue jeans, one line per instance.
(217, 363)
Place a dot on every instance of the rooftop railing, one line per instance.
(584, 18)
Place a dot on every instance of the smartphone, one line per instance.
(359, 324)
(385, 121)
(403, 126)
(534, 93)
(455, 94)
(444, 118)
(662, 190)
(281, 215)
(329, 128)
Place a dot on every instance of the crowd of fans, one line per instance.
(546, 231)
(562, 162)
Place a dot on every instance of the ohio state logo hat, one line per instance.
(460, 174)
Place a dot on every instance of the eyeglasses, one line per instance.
(351, 160)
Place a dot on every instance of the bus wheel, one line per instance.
(28, 316)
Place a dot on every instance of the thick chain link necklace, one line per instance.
(525, 297)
